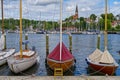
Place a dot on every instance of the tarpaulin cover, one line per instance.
(55, 54)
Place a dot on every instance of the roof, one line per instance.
(55, 54)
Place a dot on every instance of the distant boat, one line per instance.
(60, 57)
(23, 59)
(90, 32)
(31, 32)
(41, 32)
(103, 62)
(4, 53)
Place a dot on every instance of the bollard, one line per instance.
(98, 41)
(26, 38)
(47, 45)
(70, 43)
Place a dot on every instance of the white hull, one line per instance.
(6, 54)
(20, 65)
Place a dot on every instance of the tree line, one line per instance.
(91, 23)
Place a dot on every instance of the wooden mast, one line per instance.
(3, 32)
(105, 37)
(2, 17)
(60, 30)
(21, 29)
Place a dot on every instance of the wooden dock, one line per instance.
(59, 78)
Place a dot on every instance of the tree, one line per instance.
(93, 24)
(110, 16)
(93, 17)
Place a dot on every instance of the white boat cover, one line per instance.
(96, 55)
(7, 53)
(2, 41)
(106, 58)
(28, 53)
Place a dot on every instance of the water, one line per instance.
(83, 45)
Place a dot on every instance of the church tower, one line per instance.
(76, 13)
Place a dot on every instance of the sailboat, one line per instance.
(23, 59)
(103, 61)
(60, 57)
(4, 53)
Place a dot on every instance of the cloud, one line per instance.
(116, 2)
(70, 8)
(85, 9)
(50, 9)
(42, 2)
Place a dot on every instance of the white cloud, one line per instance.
(42, 2)
(70, 8)
(116, 2)
(49, 9)
(85, 9)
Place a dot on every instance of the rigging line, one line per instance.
(54, 12)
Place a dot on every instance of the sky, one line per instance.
(50, 9)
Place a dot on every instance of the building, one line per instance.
(75, 17)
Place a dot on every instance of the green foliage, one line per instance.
(110, 16)
(80, 23)
(93, 17)
(118, 27)
(11, 24)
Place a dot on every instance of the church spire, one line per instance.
(76, 11)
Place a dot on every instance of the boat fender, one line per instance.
(33, 48)
(46, 61)
(75, 60)
(86, 61)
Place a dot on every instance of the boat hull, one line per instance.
(18, 66)
(110, 70)
(66, 65)
(3, 59)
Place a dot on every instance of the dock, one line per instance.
(59, 78)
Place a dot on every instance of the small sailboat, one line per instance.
(60, 57)
(23, 59)
(4, 53)
(103, 61)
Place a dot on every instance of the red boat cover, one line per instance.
(55, 54)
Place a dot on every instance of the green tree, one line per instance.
(93, 17)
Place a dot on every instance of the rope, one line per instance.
(97, 71)
(69, 68)
(49, 67)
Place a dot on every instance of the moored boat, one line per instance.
(103, 61)
(17, 64)
(23, 59)
(60, 57)
(67, 59)
(4, 52)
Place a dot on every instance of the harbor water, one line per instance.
(83, 45)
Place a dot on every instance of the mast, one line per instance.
(21, 29)
(105, 37)
(61, 29)
(2, 16)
